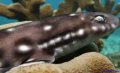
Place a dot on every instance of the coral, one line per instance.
(100, 44)
(91, 62)
(72, 6)
(115, 59)
(107, 8)
(26, 10)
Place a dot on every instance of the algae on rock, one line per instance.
(26, 10)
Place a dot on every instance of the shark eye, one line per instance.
(99, 19)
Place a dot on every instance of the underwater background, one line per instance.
(111, 44)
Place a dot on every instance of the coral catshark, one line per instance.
(51, 38)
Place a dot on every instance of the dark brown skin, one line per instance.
(20, 44)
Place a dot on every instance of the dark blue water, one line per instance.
(112, 44)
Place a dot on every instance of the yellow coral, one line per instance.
(70, 6)
(115, 59)
(107, 8)
(26, 10)
(100, 44)
(91, 62)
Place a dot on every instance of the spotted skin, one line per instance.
(51, 38)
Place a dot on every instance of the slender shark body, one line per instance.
(51, 38)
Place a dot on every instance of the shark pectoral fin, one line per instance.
(46, 55)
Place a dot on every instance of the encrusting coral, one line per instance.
(91, 62)
(115, 59)
(26, 10)
(70, 6)
(100, 44)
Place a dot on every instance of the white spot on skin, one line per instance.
(72, 14)
(94, 28)
(80, 32)
(74, 42)
(82, 18)
(51, 42)
(73, 34)
(10, 29)
(58, 39)
(47, 28)
(113, 26)
(40, 46)
(65, 46)
(45, 45)
(24, 48)
(66, 37)
(103, 28)
(59, 52)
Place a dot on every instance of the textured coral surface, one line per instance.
(26, 10)
(69, 6)
(107, 8)
(115, 59)
(91, 62)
